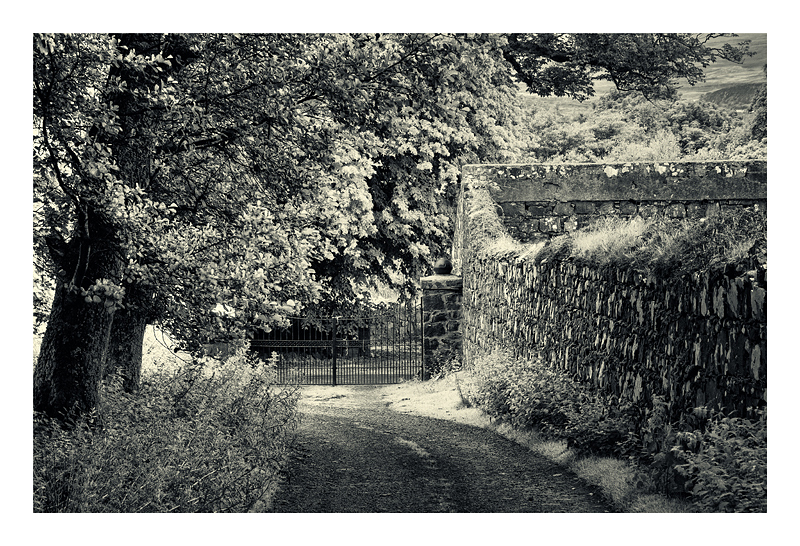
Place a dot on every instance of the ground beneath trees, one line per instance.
(402, 448)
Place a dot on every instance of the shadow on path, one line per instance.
(352, 454)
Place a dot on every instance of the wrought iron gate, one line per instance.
(380, 349)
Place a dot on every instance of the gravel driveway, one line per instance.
(353, 453)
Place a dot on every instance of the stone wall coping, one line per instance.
(644, 181)
(442, 282)
(536, 202)
(514, 170)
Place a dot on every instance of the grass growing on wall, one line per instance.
(663, 247)
(486, 230)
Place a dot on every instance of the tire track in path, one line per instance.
(352, 454)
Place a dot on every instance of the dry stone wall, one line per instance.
(697, 340)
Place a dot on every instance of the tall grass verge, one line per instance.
(704, 463)
(666, 247)
(210, 436)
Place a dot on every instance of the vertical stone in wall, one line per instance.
(442, 298)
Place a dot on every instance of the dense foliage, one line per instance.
(718, 462)
(625, 127)
(727, 464)
(210, 437)
(214, 184)
(567, 64)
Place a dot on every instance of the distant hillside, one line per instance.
(719, 76)
(737, 97)
(724, 74)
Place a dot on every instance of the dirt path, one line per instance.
(355, 454)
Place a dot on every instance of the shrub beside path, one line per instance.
(359, 449)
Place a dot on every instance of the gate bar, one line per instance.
(333, 347)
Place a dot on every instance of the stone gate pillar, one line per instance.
(441, 321)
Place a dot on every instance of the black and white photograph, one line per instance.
(400, 273)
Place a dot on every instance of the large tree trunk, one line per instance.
(133, 156)
(66, 379)
(127, 339)
(75, 347)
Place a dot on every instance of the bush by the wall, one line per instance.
(720, 462)
(726, 465)
(529, 395)
(211, 437)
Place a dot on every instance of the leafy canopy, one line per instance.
(240, 178)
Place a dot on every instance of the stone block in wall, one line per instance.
(758, 362)
(513, 209)
(584, 207)
(738, 353)
(434, 329)
(758, 303)
(564, 209)
(628, 208)
(607, 207)
(695, 210)
(432, 301)
(550, 225)
(737, 300)
(700, 301)
(537, 211)
(712, 210)
(648, 211)
(676, 210)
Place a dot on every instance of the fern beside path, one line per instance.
(355, 453)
